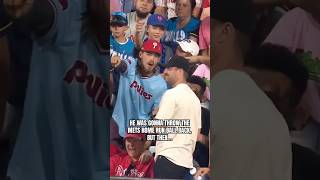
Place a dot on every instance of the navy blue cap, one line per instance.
(178, 62)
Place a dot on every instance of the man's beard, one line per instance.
(141, 15)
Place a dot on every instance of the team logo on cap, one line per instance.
(154, 45)
(159, 18)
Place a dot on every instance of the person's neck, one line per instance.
(183, 21)
(181, 81)
(134, 159)
(146, 74)
(121, 39)
(229, 60)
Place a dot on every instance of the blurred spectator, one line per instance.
(156, 28)
(121, 6)
(63, 127)
(201, 152)
(299, 31)
(180, 27)
(167, 8)
(188, 48)
(205, 10)
(138, 83)
(137, 21)
(128, 163)
(204, 44)
(203, 70)
(174, 158)
(119, 44)
(283, 77)
(244, 117)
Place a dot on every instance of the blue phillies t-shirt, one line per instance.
(173, 34)
(121, 49)
(137, 96)
(124, 51)
(63, 133)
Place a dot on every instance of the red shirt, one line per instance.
(114, 150)
(120, 163)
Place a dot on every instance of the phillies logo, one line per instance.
(94, 85)
(154, 45)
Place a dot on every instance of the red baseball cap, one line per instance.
(136, 136)
(152, 46)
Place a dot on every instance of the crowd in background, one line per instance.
(182, 29)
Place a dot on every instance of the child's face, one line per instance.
(155, 32)
(118, 30)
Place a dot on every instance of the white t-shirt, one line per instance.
(251, 139)
(180, 102)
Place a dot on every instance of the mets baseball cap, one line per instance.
(135, 136)
(152, 46)
(157, 20)
(118, 18)
(240, 13)
(190, 46)
(178, 62)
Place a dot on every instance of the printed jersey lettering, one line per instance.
(120, 171)
(95, 88)
(140, 90)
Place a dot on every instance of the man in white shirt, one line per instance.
(250, 137)
(174, 157)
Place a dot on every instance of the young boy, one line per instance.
(120, 45)
(155, 30)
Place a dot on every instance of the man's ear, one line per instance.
(227, 29)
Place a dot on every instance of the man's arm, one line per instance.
(37, 15)
(118, 64)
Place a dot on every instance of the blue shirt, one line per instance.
(173, 34)
(124, 51)
(63, 133)
(121, 49)
(137, 96)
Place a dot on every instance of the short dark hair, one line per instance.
(279, 59)
(199, 81)
(238, 12)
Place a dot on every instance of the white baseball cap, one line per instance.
(190, 46)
